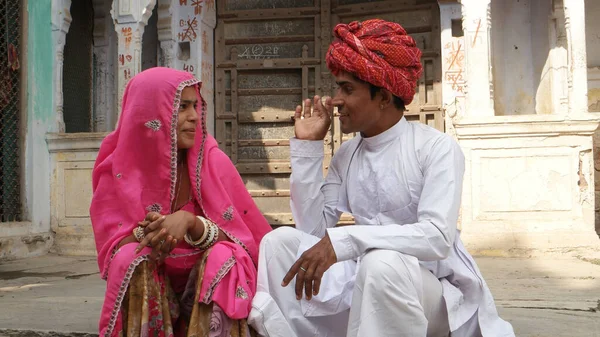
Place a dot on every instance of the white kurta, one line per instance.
(403, 188)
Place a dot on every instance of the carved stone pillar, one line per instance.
(61, 20)
(167, 37)
(105, 113)
(575, 28)
(130, 17)
(478, 66)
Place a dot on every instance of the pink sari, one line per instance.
(135, 173)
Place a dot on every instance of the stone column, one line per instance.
(575, 27)
(130, 18)
(104, 82)
(167, 22)
(61, 21)
(478, 66)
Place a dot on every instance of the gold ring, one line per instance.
(303, 269)
(138, 233)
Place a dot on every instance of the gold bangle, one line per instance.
(202, 238)
(212, 237)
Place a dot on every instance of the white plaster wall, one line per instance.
(525, 192)
(512, 56)
(545, 59)
(540, 42)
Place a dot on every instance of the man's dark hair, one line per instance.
(398, 102)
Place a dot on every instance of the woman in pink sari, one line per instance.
(177, 232)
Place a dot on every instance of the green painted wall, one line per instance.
(40, 62)
(41, 117)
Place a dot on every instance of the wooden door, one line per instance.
(270, 54)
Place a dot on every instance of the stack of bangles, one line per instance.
(208, 238)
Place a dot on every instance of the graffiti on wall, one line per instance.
(210, 5)
(477, 38)
(258, 51)
(127, 36)
(454, 55)
(188, 30)
(126, 58)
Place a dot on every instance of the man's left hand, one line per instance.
(310, 267)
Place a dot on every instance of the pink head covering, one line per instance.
(135, 173)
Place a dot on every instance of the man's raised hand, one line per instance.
(313, 123)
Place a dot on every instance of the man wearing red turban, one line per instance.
(402, 269)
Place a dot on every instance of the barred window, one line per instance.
(10, 110)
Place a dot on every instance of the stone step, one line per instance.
(56, 296)
(42, 333)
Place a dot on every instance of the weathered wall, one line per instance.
(520, 49)
(592, 27)
(453, 63)
(33, 237)
(592, 34)
(528, 185)
(73, 157)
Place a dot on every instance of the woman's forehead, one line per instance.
(189, 94)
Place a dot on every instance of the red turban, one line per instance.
(378, 52)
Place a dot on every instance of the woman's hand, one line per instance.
(164, 232)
